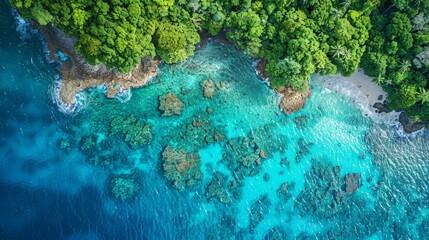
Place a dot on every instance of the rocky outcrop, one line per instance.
(381, 107)
(292, 99)
(260, 66)
(77, 74)
(170, 104)
(409, 125)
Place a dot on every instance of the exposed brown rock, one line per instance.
(78, 74)
(260, 66)
(292, 100)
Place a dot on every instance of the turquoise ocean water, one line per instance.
(54, 188)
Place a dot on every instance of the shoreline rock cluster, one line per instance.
(292, 100)
(77, 74)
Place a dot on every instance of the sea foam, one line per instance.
(349, 90)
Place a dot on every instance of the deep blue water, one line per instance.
(49, 192)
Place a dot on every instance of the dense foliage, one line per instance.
(388, 38)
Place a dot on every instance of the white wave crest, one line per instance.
(23, 26)
(352, 92)
(124, 95)
(79, 101)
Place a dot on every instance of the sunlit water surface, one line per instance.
(53, 193)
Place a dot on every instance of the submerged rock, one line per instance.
(170, 104)
(303, 149)
(258, 209)
(181, 168)
(208, 88)
(209, 110)
(352, 182)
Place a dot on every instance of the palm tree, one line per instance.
(379, 80)
(404, 65)
(336, 13)
(338, 50)
(389, 82)
(346, 53)
(346, 4)
(423, 95)
(195, 5)
(197, 20)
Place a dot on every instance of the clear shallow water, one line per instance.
(53, 193)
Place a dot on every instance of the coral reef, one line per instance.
(125, 186)
(301, 121)
(276, 233)
(197, 132)
(284, 162)
(208, 88)
(87, 143)
(244, 155)
(323, 194)
(303, 149)
(170, 105)
(258, 209)
(352, 182)
(218, 187)
(181, 168)
(64, 144)
(285, 189)
(133, 130)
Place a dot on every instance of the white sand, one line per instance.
(362, 91)
(365, 84)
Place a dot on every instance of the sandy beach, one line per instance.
(365, 84)
(371, 92)
(362, 91)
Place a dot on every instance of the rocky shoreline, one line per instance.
(292, 100)
(78, 75)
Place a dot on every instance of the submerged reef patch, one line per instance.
(181, 168)
(134, 131)
(170, 105)
(125, 186)
(323, 194)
